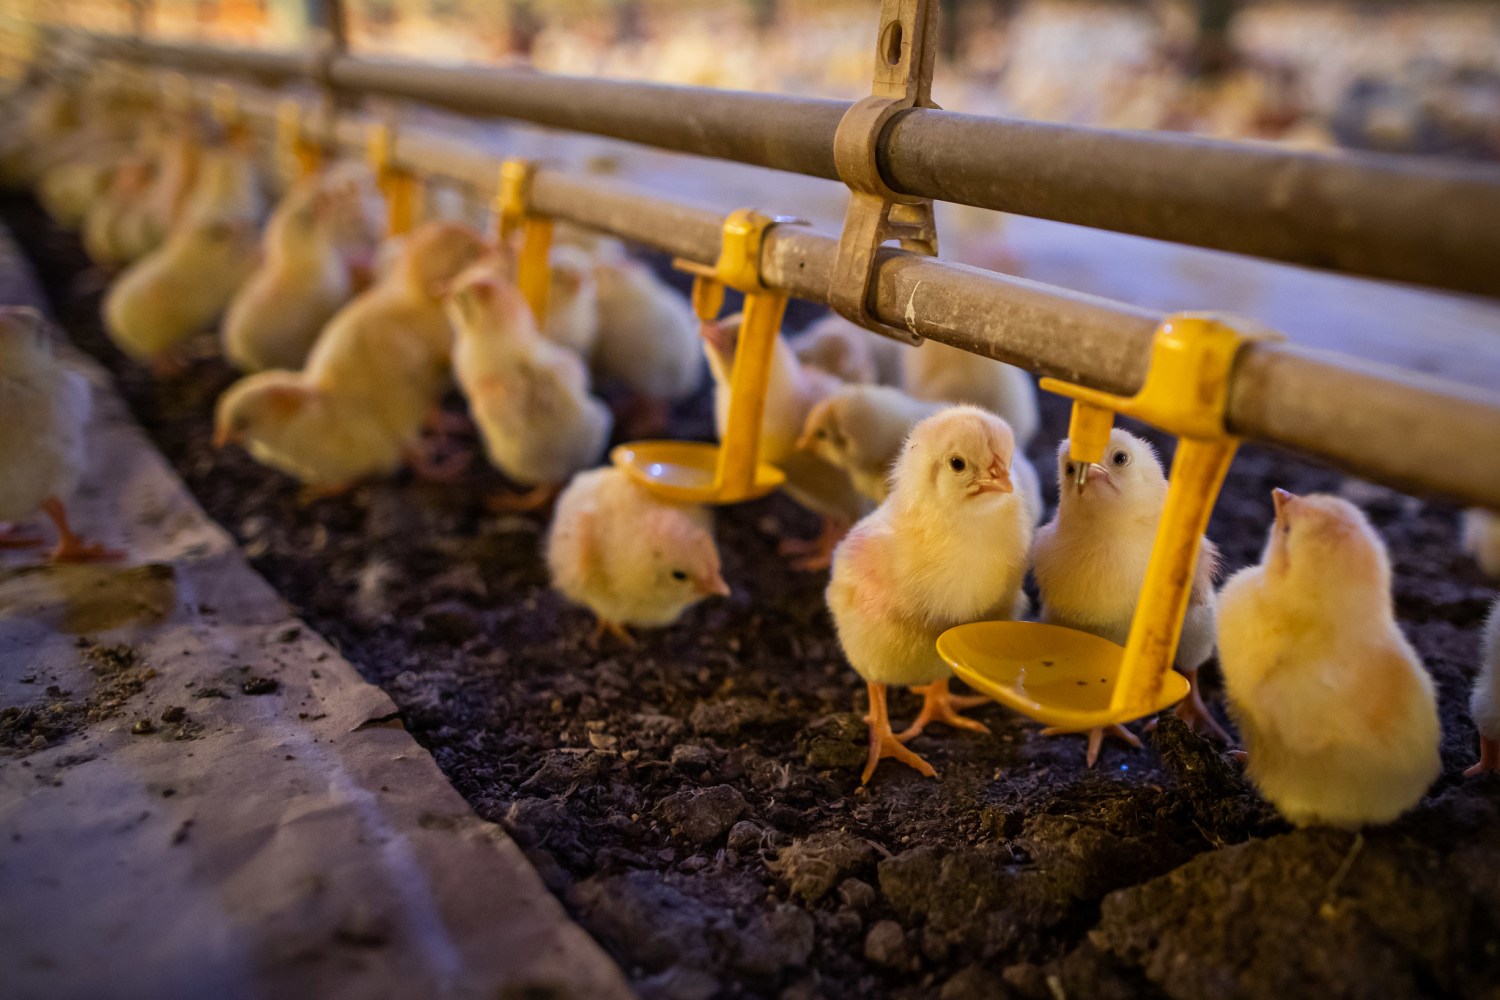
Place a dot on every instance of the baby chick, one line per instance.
(1337, 713)
(529, 396)
(41, 438)
(647, 337)
(1090, 562)
(377, 370)
(180, 288)
(851, 353)
(1484, 703)
(302, 281)
(629, 558)
(572, 301)
(1482, 540)
(946, 374)
(792, 390)
(947, 546)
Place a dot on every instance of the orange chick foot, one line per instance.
(814, 554)
(12, 537)
(615, 629)
(883, 743)
(71, 548)
(941, 705)
(1489, 757)
(1096, 739)
(533, 499)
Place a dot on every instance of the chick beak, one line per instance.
(805, 442)
(1088, 473)
(718, 337)
(1282, 500)
(714, 587)
(997, 480)
(222, 436)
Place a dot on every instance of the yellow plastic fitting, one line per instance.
(693, 472)
(400, 188)
(513, 212)
(1075, 680)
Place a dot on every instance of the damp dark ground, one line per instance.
(695, 801)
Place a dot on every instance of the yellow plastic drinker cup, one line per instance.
(1075, 680)
(695, 472)
(513, 212)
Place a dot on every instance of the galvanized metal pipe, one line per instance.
(1409, 431)
(1381, 216)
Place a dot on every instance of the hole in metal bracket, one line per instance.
(891, 43)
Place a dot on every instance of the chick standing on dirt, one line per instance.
(1484, 703)
(647, 338)
(529, 396)
(45, 407)
(1337, 712)
(629, 558)
(1482, 540)
(376, 372)
(1090, 563)
(791, 392)
(302, 281)
(945, 374)
(947, 547)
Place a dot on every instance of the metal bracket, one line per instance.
(513, 213)
(906, 51)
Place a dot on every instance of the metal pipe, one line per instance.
(1381, 216)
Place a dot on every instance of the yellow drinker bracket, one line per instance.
(694, 472)
(513, 212)
(292, 141)
(1075, 680)
(400, 188)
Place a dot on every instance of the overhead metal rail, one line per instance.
(1380, 216)
(1407, 430)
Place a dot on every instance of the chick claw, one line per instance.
(1489, 757)
(12, 537)
(1096, 739)
(70, 548)
(883, 743)
(941, 705)
(613, 628)
(813, 554)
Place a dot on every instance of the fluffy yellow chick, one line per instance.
(633, 560)
(1337, 713)
(1482, 540)
(647, 337)
(529, 396)
(164, 202)
(1090, 562)
(227, 186)
(380, 366)
(181, 288)
(41, 436)
(791, 392)
(302, 281)
(948, 546)
(1484, 703)
(852, 353)
(572, 301)
(107, 221)
(946, 374)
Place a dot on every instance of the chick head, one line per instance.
(1128, 479)
(482, 302)
(572, 272)
(957, 457)
(435, 253)
(837, 353)
(1324, 547)
(23, 339)
(258, 404)
(823, 433)
(683, 561)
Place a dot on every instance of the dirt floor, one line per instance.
(695, 801)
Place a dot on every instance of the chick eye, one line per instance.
(957, 464)
(678, 574)
(820, 434)
(1121, 459)
(1070, 468)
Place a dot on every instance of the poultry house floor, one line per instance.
(694, 801)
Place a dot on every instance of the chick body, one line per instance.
(46, 406)
(946, 374)
(1337, 713)
(648, 336)
(631, 559)
(850, 352)
(1482, 540)
(1484, 701)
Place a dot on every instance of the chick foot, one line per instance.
(312, 494)
(613, 628)
(534, 499)
(813, 554)
(70, 547)
(941, 705)
(884, 743)
(12, 537)
(1096, 739)
(1199, 719)
(435, 467)
(1489, 757)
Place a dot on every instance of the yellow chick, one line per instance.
(945, 374)
(529, 396)
(948, 546)
(850, 352)
(41, 436)
(181, 288)
(227, 186)
(106, 223)
(1337, 713)
(302, 281)
(1484, 703)
(377, 370)
(1482, 540)
(165, 200)
(791, 392)
(633, 560)
(1090, 563)
(647, 337)
(572, 301)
